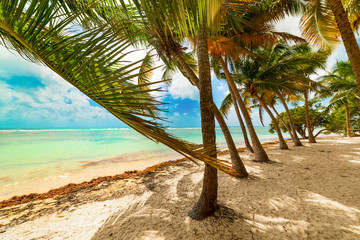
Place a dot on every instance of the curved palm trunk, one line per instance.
(348, 37)
(282, 120)
(296, 138)
(234, 155)
(308, 121)
(282, 143)
(242, 125)
(348, 127)
(207, 202)
(259, 152)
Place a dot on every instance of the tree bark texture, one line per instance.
(348, 126)
(207, 202)
(282, 143)
(259, 152)
(348, 37)
(308, 120)
(234, 155)
(296, 139)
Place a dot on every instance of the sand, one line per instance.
(309, 192)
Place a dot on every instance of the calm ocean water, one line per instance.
(42, 153)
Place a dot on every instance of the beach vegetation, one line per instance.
(343, 90)
(323, 22)
(319, 120)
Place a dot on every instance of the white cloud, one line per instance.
(56, 100)
(181, 88)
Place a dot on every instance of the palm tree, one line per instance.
(192, 19)
(157, 34)
(225, 106)
(304, 63)
(272, 103)
(324, 21)
(342, 85)
(91, 60)
(238, 41)
(228, 102)
(249, 74)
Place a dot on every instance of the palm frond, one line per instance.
(318, 24)
(92, 61)
(145, 71)
(226, 105)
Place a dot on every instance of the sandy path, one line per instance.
(311, 192)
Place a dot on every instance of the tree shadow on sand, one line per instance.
(164, 214)
(300, 198)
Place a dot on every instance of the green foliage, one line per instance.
(320, 118)
(92, 60)
(336, 119)
(317, 117)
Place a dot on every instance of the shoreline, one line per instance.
(309, 192)
(63, 189)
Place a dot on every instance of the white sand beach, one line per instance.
(309, 192)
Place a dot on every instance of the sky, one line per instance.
(33, 96)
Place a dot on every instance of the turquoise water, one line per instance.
(36, 154)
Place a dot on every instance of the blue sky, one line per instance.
(32, 96)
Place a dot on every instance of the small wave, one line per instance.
(62, 130)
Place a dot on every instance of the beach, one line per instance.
(38, 160)
(309, 192)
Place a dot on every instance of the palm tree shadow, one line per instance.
(298, 198)
(164, 214)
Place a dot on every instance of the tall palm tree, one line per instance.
(159, 35)
(238, 41)
(228, 102)
(196, 19)
(324, 21)
(249, 74)
(91, 60)
(342, 85)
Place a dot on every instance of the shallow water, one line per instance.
(37, 154)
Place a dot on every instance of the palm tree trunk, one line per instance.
(308, 121)
(282, 120)
(242, 125)
(207, 202)
(259, 152)
(296, 138)
(282, 143)
(348, 37)
(234, 155)
(348, 126)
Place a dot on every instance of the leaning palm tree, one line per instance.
(249, 75)
(156, 33)
(91, 60)
(228, 102)
(272, 100)
(324, 21)
(192, 19)
(342, 85)
(235, 43)
(302, 62)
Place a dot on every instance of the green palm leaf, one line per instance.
(91, 60)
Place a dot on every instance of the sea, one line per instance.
(40, 154)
